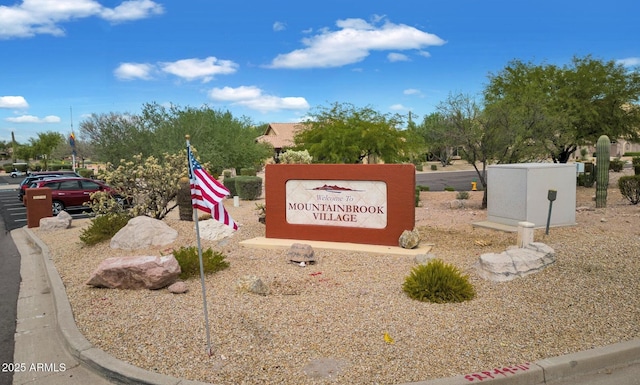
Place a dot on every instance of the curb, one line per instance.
(544, 371)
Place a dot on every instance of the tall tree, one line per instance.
(344, 133)
(559, 109)
(44, 145)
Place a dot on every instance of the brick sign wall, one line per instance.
(370, 204)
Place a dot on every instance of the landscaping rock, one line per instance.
(252, 284)
(409, 239)
(178, 288)
(301, 253)
(515, 262)
(142, 232)
(139, 272)
(61, 221)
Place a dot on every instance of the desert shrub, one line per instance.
(630, 188)
(419, 167)
(230, 184)
(249, 187)
(417, 197)
(632, 153)
(438, 282)
(462, 195)
(189, 262)
(85, 172)
(434, 167)
(449, 188)
(636, 169)
(635, 160)
(616, 165)
(103, 227)
(296, 157)
(586, 180)
(423, 188)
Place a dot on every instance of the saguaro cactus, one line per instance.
(603, 149)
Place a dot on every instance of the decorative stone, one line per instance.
(252, 284)
(178, 288)
(515, 262)
(302, 254)
(142, 232)
(456, 204)
(60, 221)
(409, 239)
(141, 272)
(423, 259)
(214, 230)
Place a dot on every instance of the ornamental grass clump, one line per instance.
(438, 282)
(187, 258)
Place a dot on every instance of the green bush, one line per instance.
(249, 187)
(586, 180)
(230, 184)
(636, 169)
(248, 171)
(635, 161)
(438, 282)
(419, 167)
(85, 172)
(632, 153)
(630, 188)
(449, 188)
(102, 228)
(189, 262)
(434, 167)
(417, 197)
(616, 165)
(462, 195)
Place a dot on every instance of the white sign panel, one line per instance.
(347, 203)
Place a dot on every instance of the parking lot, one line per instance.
(12, 211)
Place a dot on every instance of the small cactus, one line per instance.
(603, 148)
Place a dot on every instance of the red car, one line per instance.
(70, 193)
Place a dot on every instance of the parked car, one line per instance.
(16, 173)
(70, 193)
(34, 176)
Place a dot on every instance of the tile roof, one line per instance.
(280, 135)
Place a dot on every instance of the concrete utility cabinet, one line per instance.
(519, 193)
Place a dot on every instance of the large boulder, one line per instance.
(60, 221)
(142, 232)
(515, 262)
(139, 272)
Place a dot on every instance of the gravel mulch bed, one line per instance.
(325, 323)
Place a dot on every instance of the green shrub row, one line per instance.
(632, 153)
(246, 187)
(616, 165)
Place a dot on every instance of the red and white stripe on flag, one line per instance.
(207, 193)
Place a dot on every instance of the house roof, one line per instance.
(280, 135)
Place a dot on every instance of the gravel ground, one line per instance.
(325, 323)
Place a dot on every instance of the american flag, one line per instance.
(207, 193)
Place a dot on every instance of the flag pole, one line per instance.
(204, 290)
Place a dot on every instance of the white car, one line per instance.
(15, 174)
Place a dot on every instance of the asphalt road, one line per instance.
(438, 180)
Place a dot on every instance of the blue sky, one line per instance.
(273, 61)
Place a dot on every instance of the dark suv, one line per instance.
(70, 193)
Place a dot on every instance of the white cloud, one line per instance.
(629, 62)
(394, 57)
(13, 102)
(252, 97)
(411, 91)
(130, 71)
(353, 42)
(34, 17)
(206, 69)
(279, 26)
(34, 119)
(398, 107)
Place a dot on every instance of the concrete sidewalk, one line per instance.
(51, 349)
